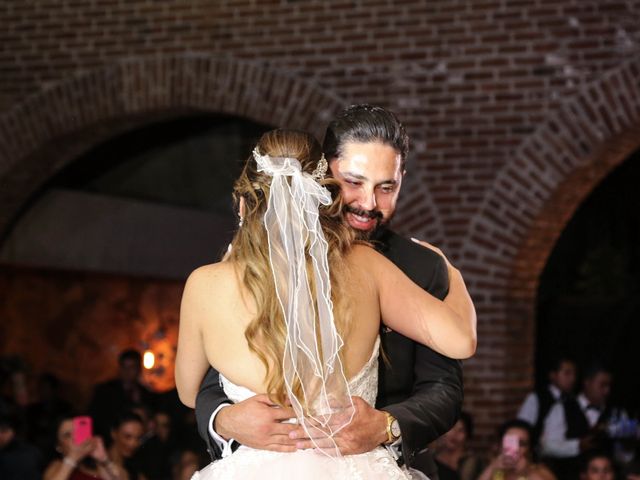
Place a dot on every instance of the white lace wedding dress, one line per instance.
(248, 463)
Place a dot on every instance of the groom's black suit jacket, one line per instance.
(418, 386)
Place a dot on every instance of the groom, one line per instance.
(419, 391)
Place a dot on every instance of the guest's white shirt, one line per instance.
(530, 408)
(553, 442)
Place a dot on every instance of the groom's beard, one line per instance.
(374, 215)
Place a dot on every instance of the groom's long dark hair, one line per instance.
(363, 124)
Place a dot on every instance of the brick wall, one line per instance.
(516, 109)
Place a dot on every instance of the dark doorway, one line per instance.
(155, 201)
(589, 293)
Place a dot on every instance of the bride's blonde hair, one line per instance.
(266, 333)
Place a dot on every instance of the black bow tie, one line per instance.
(593, 407)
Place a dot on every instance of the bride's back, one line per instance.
(231, 308)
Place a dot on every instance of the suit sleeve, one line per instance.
(436, 399)
(210, 396)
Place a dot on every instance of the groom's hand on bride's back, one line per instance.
(256, 422)
(367, 430)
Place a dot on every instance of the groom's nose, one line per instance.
(367, 199)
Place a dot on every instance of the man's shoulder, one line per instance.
(391, 243)
(410, 256)
(421, 264)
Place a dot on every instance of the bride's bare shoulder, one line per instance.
(364, 255)
(361, 251)
(212, 279)
(364, 262)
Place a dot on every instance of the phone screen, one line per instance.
(82, 429)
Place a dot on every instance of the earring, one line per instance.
(240, 222)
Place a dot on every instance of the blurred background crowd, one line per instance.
(566, 429)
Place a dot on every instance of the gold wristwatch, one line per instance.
(393, 428)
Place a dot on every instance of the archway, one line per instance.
(520, 220)
(51, 128)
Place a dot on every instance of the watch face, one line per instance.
(395, 428)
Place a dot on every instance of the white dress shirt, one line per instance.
(553, 441)
(531, 406)
(224, 445)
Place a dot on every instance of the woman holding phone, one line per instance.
(514, 462)
(82, 456)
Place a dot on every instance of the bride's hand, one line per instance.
(367, 430)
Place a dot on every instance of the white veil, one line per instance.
(298, 251)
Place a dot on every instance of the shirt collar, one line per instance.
(555, 392)
(585, 404)
(582, 401)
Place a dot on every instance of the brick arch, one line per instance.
(531, 200)
(49, 129)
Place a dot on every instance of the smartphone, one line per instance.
(510, 446)
(82, 429)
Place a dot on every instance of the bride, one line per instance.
(294, 311)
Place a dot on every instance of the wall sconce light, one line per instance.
(148, 360)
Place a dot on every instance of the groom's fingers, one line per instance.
(324, 443)
(256, 422)
(281, 448)
(280, 443)
(366, 430)
(282, 414)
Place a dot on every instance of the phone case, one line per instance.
(82, 429)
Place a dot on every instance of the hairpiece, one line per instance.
(321, 169)
(318, 173)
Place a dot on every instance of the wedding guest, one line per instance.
(597, 466)
(83, 461)
(19, 460)
(515, 460)
(538, 404)
(577, 425)
(452, 458)
(126, 434)
(120, 394)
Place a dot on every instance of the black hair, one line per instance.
(594, 368)
(516, 423)
(130, 354)
(8, 420)
(587, 457)
(558, 361)
(365, 123)
(125, 417)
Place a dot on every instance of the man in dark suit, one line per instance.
(420, 391)
(113, 397)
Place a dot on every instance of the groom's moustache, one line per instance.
(375, 214)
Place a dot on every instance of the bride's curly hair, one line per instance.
(266, 333)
